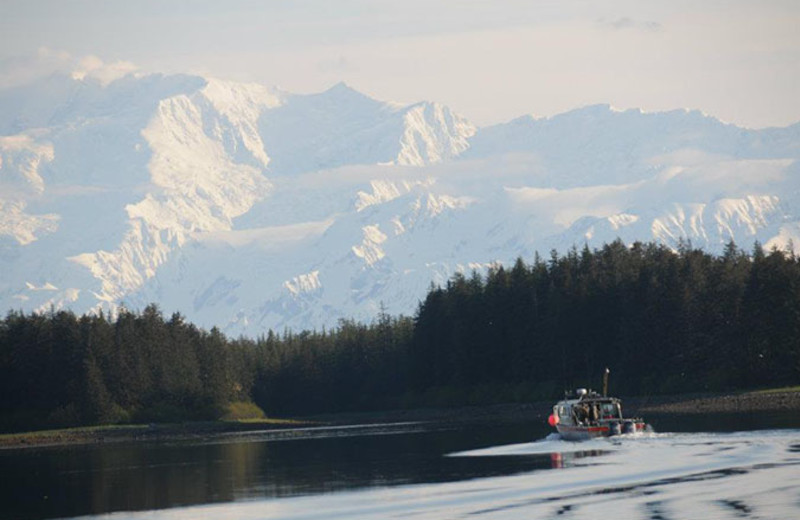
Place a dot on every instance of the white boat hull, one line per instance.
(585, 432)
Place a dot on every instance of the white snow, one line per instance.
(200, 185)
(22, 226)
(384, 190)
(369, 250)
(425, 143)
(248, 208)
(21, 157)
(304, 283)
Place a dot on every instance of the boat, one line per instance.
(587, 414)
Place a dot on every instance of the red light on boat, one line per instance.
(552, 420)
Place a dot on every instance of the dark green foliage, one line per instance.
(58, 370)
(663, 321)
(353, 367)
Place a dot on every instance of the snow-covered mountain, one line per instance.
(250, 208)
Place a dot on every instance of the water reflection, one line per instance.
(68, 482)
(74, 481)
(724, 422)
(48, 483)
(561, 460)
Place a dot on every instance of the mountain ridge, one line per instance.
(251, 208)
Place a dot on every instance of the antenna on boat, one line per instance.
(605, 382)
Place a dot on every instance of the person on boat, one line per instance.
(581, 413)
(594, 413)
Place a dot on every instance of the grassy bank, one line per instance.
(774, 399)
(142, 432)
(777, 399)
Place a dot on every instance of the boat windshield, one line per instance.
(611, 411)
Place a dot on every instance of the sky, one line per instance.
(490, 60)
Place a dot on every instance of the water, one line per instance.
(710, 467)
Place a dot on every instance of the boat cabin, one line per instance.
(588, 408)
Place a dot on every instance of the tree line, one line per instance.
(664, 321)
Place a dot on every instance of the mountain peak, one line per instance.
(341, 87)
(606, 112)
(594, 110)
(256, 209)
(343, 90)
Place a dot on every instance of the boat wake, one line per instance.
(651, 475)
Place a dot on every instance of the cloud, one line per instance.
(335, 65)
(625, 22)
(21, 70)
(93, 67)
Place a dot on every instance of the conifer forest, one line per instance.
(663, 321)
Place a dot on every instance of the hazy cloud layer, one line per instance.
(738, 60)
(628, 23)
(19, 70)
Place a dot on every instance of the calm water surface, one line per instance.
(92, 480)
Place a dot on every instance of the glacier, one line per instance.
(250, 208)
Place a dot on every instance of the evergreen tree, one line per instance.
(663, 320)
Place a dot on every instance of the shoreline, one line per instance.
(751, 401)
(776, 400)
(773, 400)
(137, 433)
